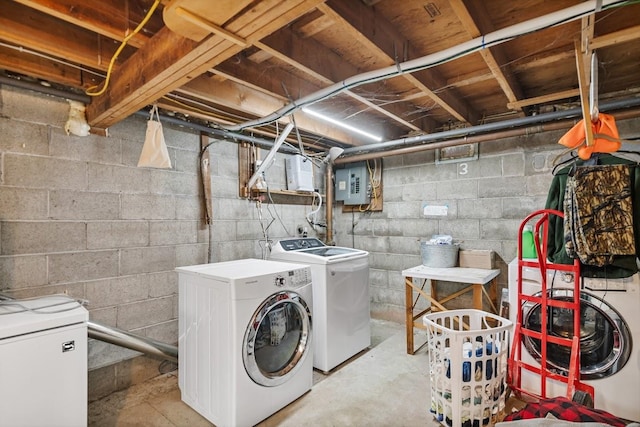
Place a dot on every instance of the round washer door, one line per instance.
(605, 339)
(278, 339)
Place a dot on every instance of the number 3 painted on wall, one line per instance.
(463, 169)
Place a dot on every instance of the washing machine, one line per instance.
(340, 297)
(245, 338)
(609, 342)
(43, 362)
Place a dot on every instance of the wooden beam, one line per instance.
(256, 102)
(313, 23)
(616, 37)
(383, 38)
(269, 80)
(327, 67)
(168, 60)
(476, 21)
(544, 99)
(35, 66)
(23, 26)
(543, 60)
(113, 19)
(584, 93)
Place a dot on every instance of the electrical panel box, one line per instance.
(352, 184)
(299, 172)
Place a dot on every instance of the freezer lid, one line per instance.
(19, 317)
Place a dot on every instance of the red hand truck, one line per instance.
(576, 390)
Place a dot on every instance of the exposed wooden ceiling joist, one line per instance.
(168, 61)
(293, 48)
(476, 21)
(327, 67)
(382, 38)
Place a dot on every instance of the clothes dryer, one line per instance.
(341, 304)
(609, 341)
(245, 338)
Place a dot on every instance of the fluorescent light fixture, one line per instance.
(270, 156)
(342, 125)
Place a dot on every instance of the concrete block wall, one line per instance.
(77, 216)
(486, 200)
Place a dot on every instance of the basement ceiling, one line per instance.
(230, 64)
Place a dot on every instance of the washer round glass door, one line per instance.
(277, 339)
(605, 339)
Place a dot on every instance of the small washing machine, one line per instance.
(340, 297)
(609, 342)
(245, 338)
(43, 362)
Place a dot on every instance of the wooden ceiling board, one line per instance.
(616, 19)
(114, 19)
(221, 13)
(40, 68)
(616, 63)
(306, 45)
(505, 13)
(426, 35)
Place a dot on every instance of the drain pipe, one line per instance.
(511, 133)
(504, 129)
(329, 203)
(135, 342)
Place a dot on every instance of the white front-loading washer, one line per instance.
(245, 338)
(341, 305)
(609, 341)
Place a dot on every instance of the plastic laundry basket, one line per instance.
(467, 366)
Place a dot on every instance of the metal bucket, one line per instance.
(439, 256)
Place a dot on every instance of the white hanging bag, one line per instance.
(154, 151)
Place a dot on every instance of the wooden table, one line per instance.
(476, 278)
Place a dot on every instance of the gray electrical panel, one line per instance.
(352, 184)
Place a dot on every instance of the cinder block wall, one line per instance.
(486, 201)
(77, 216)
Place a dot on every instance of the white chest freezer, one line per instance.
(43, 362)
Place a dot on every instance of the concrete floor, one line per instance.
(382, 386)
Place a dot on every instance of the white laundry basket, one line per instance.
(467, 366)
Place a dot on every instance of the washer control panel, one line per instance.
(293, 278)
(303, 243)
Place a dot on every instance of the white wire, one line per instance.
(314, 212)
(43, 308)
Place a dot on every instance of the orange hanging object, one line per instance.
(606, 125)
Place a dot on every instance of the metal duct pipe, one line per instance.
(126, 339)
(480, 133)
(135, 342)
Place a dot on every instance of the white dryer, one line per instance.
(609, 341)
(245, 341)
(340, 297)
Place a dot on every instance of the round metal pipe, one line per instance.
(45, 89)
(481, 133)
(135, 342)
(329, 202)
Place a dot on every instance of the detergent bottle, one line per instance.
(528, 245)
